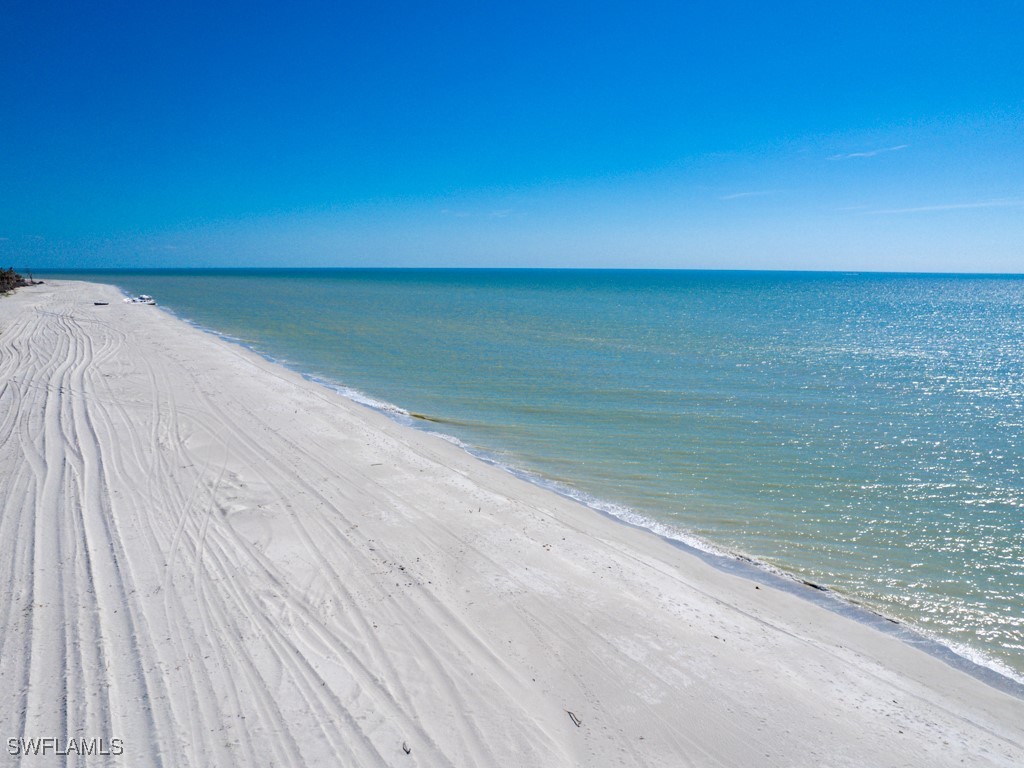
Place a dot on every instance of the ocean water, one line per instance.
(864, 432)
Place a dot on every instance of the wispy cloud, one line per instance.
(499, 213)
(1004, 203)
(869, 153)
(738, 195)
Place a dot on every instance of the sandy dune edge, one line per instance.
(219, 563)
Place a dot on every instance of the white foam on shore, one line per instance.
(362, 398)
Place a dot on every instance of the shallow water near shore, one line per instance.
(863, 432)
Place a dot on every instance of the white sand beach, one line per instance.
(218, 563)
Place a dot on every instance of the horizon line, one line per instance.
(768, 270)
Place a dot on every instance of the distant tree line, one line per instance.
(9, 280)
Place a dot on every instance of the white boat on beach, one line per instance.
(142, 298)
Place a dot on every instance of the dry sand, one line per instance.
(220, 563)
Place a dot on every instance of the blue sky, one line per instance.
(807, 136)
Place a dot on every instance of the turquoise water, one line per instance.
(860, 431)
